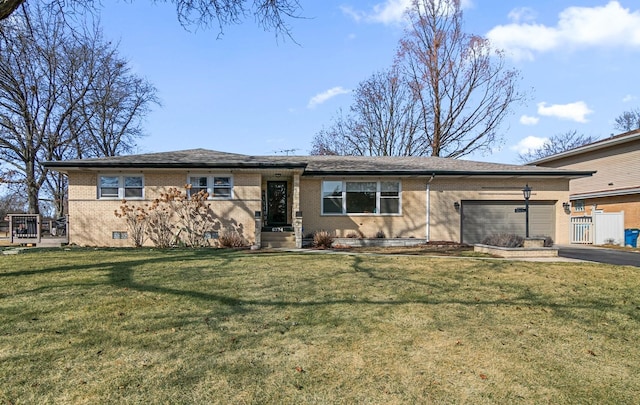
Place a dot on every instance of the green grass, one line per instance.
(206, 326)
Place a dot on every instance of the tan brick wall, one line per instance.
(92, 221)
(444, 219)
(410, 224)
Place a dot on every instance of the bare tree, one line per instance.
(381, 122)
(56, 84)
(557, 144)
(269, 14)
(462, 87)
(11, 203)
(446, 94)
(628, 121)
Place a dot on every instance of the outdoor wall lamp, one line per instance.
(566, 206)
(456, 205)
(526, 192)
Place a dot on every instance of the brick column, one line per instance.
(297, 228)
(258, 230)
(297, 214)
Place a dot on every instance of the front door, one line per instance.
(276, 203)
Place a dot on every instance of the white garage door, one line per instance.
(483, 218)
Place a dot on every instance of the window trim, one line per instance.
(379, 198)
(211, 177)
(121, 186)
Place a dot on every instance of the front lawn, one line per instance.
(207, 326)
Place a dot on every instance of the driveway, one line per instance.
(600, 255)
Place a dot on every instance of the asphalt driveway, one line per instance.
(600, 255)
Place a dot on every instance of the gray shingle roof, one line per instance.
(312, 165)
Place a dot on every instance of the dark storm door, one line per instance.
(276, 203)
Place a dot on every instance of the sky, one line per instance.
(248, 91)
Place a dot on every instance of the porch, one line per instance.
(32, 230)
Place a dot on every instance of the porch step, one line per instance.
(278, 240)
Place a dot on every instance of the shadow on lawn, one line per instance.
(449, 291)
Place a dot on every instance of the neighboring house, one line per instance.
(615, 186)
(421, 198)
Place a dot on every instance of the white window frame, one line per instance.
(211, 186)
(121, 186)
(344, 198)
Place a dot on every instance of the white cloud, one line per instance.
(628, 98)
(608, 26)
(573, 111)
(529, 144)
(326, 95)
(522, 14)
(528, 120)
(388, 12)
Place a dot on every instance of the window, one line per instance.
(361, 197)
(133, 187)
(119, 235)
(332, 197)
(578, 205)
(198, 184)
(389, 197)
(126, 186)
(216, 186)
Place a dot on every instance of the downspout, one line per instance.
(428, 227)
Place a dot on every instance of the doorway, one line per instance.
(276, 203)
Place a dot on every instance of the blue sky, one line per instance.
(249, 92)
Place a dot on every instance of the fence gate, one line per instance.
(582, 230)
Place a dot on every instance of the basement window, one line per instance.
(119, 235)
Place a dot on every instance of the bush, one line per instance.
(504, 240)
(231, 239)
(355, 235)
(380, 235)
(322, 239)
(548, 241)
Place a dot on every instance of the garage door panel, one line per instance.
(483, 218)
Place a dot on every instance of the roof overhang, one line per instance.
(605, 193)
(564, 174)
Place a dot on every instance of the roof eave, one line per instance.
(550, 173)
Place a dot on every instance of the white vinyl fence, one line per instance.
(599, 229)
(609, 228)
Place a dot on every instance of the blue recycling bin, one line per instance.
(631, 237)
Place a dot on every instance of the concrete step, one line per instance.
(278, 240)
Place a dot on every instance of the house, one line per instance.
(614, 187)
(264, 198)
